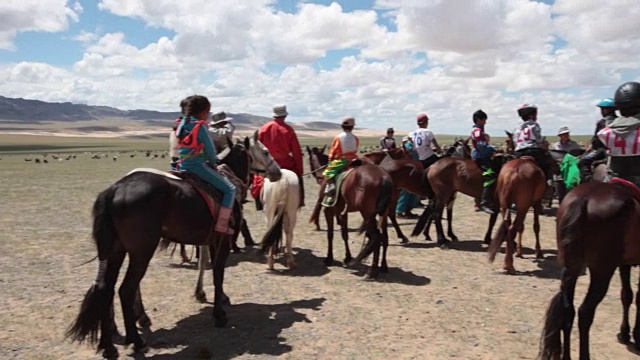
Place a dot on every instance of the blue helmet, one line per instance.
(608, 102)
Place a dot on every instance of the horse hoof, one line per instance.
(539, 256)
(487, 241)
(510, 271)
(404, 240)
(328, 262)
(140, 346)
(201, 297)
(110, 353)
(443, 246)
(625, 338)
(428, 238)
(454, 238)
(384, 269)
(519, 256)
(144, 321)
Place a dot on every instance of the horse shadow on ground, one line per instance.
(308, 264)
(254, 329)
(394, 276)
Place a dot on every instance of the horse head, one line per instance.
(459, 149)
(262, 161)
(236, 156)
(318, 160)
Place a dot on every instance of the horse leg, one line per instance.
(385, 243)
(343, 220)
(328, 214)
(183, 254)
(107, 321)
(626, 297)
(636, 328)
(221, 250)
(450, 220)
(203, 260)
(138, 308)
(492, 222)
(373, 270)
(246, 234)
(394, 222)
(600, 278)
(289, 225)
(442, 240)
(537, 209)
(567, 288)
(138, 263)
(512, 230)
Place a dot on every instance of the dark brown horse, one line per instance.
(447, 176)
(598, 226)
(367, 189)
(129, 218)
(318, 160)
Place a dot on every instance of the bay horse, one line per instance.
(446, 177)
(129, 218)
(598, 226)
(367, 189)
(318, 161)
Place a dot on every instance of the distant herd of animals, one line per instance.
(597, 227)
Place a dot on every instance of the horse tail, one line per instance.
(422, 221)
(384, 195)
(274, 235)
(570, 227)
(499, 237)
(315, 214)
(96, 300)
(550, 341)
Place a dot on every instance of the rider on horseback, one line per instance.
(481, 154)
(221, 130)
(597, 150)
(344, 149)
(622, 135)
(529, 141)
(422, 140)
(195, 148)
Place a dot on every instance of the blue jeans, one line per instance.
(214, 178)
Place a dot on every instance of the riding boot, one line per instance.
(301, 183)
(222, 223)
(486, 204)
(258, 204)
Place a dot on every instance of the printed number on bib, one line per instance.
(524, 135)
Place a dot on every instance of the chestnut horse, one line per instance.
(367, 189)
(129, 218)
(522, 183)
(598, 226)
(318, 160)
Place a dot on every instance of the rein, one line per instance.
(315, 171)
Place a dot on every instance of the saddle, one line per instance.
(330, 201)
(211, 196)
(635, 191)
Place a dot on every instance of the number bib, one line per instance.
(626, 145)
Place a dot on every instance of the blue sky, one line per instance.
(382, 61)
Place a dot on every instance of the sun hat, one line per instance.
(563, 130)
(280, 111)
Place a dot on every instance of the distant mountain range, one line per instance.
(23, 113)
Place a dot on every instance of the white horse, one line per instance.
(281, 200)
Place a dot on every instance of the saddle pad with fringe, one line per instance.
(331, 201)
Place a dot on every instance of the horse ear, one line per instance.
(255, 136)
(229, 143)
(247, 141)
(308, 150)
(323, 148)
(508, 134)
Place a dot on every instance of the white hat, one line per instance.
(219, 117)
(348, 121)
(280, 111)
(563, 130)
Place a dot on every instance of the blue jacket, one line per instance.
(208, 152)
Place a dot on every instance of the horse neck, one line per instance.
(237, 163)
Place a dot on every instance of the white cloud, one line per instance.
(34, 15)
(447, 58)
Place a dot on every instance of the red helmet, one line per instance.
(422, 118)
